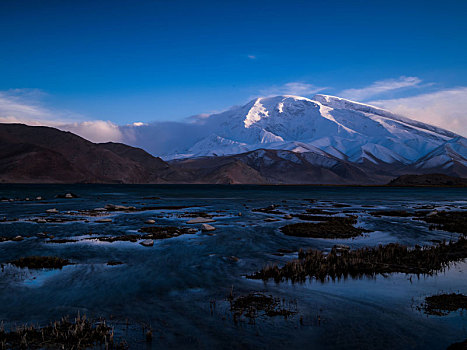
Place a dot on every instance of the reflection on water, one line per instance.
(172, 285)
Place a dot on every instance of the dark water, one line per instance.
(171, 286)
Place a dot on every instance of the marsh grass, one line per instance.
(451, 221)
(41, 262)
(80, 333)
(443, 304)
(368, 261)
(333, 227)
(256, 304)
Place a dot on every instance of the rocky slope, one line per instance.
(47, 155)
(277, 167)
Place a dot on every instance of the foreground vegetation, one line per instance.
(451, 221)
(41, 262)
(257, 304)
(64, 334)
(366, 262)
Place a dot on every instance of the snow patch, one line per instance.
(255, 113)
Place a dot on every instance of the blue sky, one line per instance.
(126, 61)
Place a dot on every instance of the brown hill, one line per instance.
(275, 167)
(47, 155)
(440, 180)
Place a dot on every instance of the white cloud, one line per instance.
(95, 130)
(445, 108)
(24, 106)
(380, 87)
(198, 118)
(251, 57)
(292, 88)
(13, 104)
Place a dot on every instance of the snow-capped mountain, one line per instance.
(274, 140)
(347, 130)
(450, 158)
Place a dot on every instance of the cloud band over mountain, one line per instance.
(445, 108)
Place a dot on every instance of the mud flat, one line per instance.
(319, 211)
(451, 221)
(41, 262)
(151, 232)
(396, 213)
(157, 232)
(269, 210)
(458, 346)
(443, 304)
(333, 227)
(256, 304)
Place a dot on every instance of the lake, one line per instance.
(180, 286)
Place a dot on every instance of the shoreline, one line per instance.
(224, 185)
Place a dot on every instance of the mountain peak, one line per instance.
(346, 129)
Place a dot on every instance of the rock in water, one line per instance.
(103, 220)
(206, 227)
(147, 243)
(113, 207)
(67, 195)
(199, 220)
(150, 222)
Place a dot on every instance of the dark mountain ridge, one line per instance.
(47, 155)
(428, 180)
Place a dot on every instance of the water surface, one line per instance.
(172, 286)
